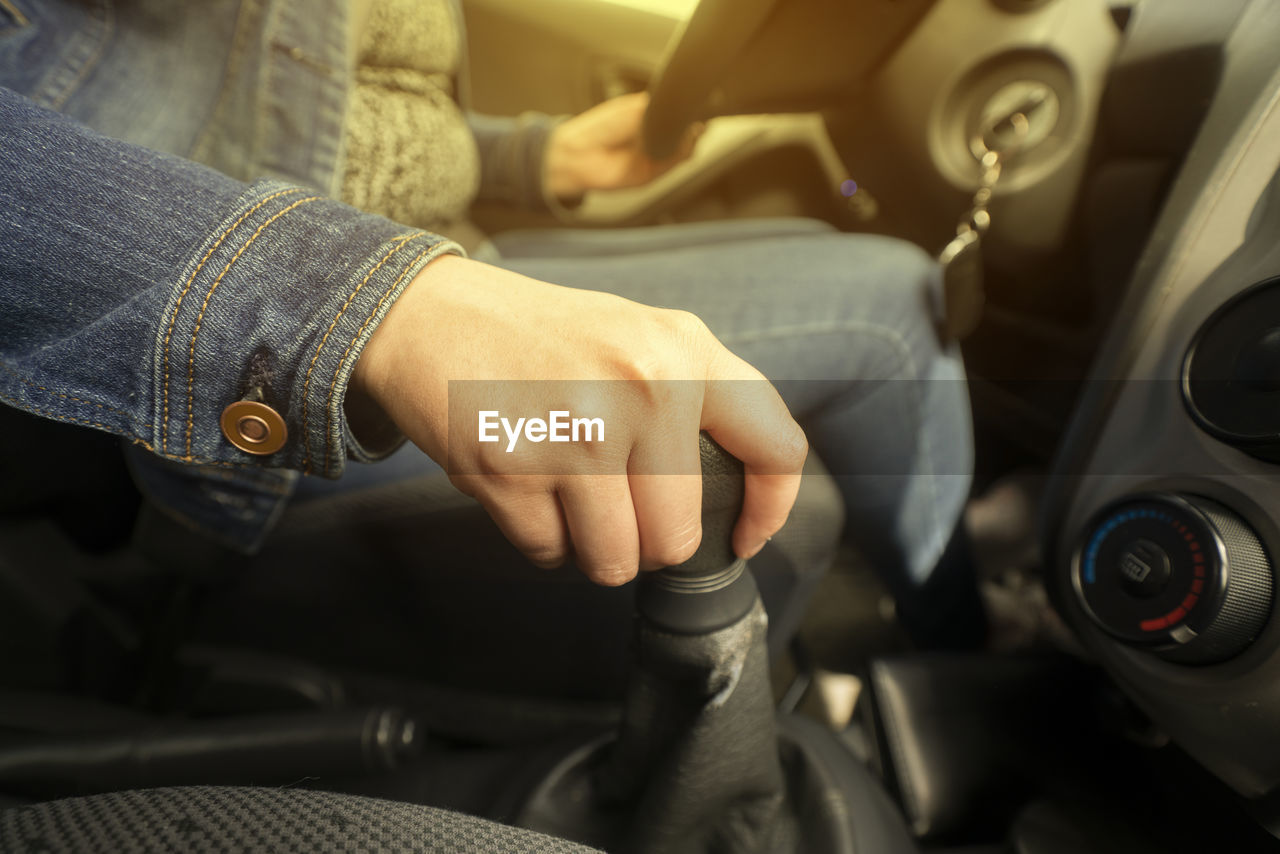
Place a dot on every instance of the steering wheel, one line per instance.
(737, 56)
(716, 33)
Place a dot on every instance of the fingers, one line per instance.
(668, 516)
(617, 122)
(667, 493)
(650, 516)
(602, 524)
(769, 499)
(532, 520)
(744, 413)
(632, 106)
(593, 512)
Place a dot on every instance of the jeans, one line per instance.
(846, 326)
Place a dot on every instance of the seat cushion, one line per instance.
(228, 819)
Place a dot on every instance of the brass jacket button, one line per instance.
(253, 427)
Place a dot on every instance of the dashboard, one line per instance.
(1162, 520)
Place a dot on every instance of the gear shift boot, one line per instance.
(694, 766)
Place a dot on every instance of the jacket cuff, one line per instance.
(276, 307)
(513, 161)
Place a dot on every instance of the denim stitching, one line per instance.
(108, 22)
(101, 406)
(191, 352)
(48, 413)
(306, 383)
(136, 440)
(58, 416)
(328, 406)
(894, 337)
(164, 436)
(239, 43)
(19, 19)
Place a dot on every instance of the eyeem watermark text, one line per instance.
(558, 426)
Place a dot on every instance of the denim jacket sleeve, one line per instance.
(141, 294)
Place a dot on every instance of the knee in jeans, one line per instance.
(881, 268)
(898, 284)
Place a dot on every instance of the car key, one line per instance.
(961, 259)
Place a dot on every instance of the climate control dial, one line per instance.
(1180, 575)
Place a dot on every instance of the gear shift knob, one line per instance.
(712, 589)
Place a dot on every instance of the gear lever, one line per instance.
(694, 766)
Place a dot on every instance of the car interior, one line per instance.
(1100, 179)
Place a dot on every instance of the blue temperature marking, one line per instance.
(1089, 570)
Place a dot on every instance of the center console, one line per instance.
(1162, 528)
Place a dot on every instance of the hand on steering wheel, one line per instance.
(601, 149)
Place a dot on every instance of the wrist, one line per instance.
(368, 403)
(560, 176)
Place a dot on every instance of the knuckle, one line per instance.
(647, 369)
(687, 324)
(499, 485)
(547, 554)
(492, 464)
(680, 547)
(671, 347)
(611, 572)
(514, 486)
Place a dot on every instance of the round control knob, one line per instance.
(1180, 575)
(1231, 373)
